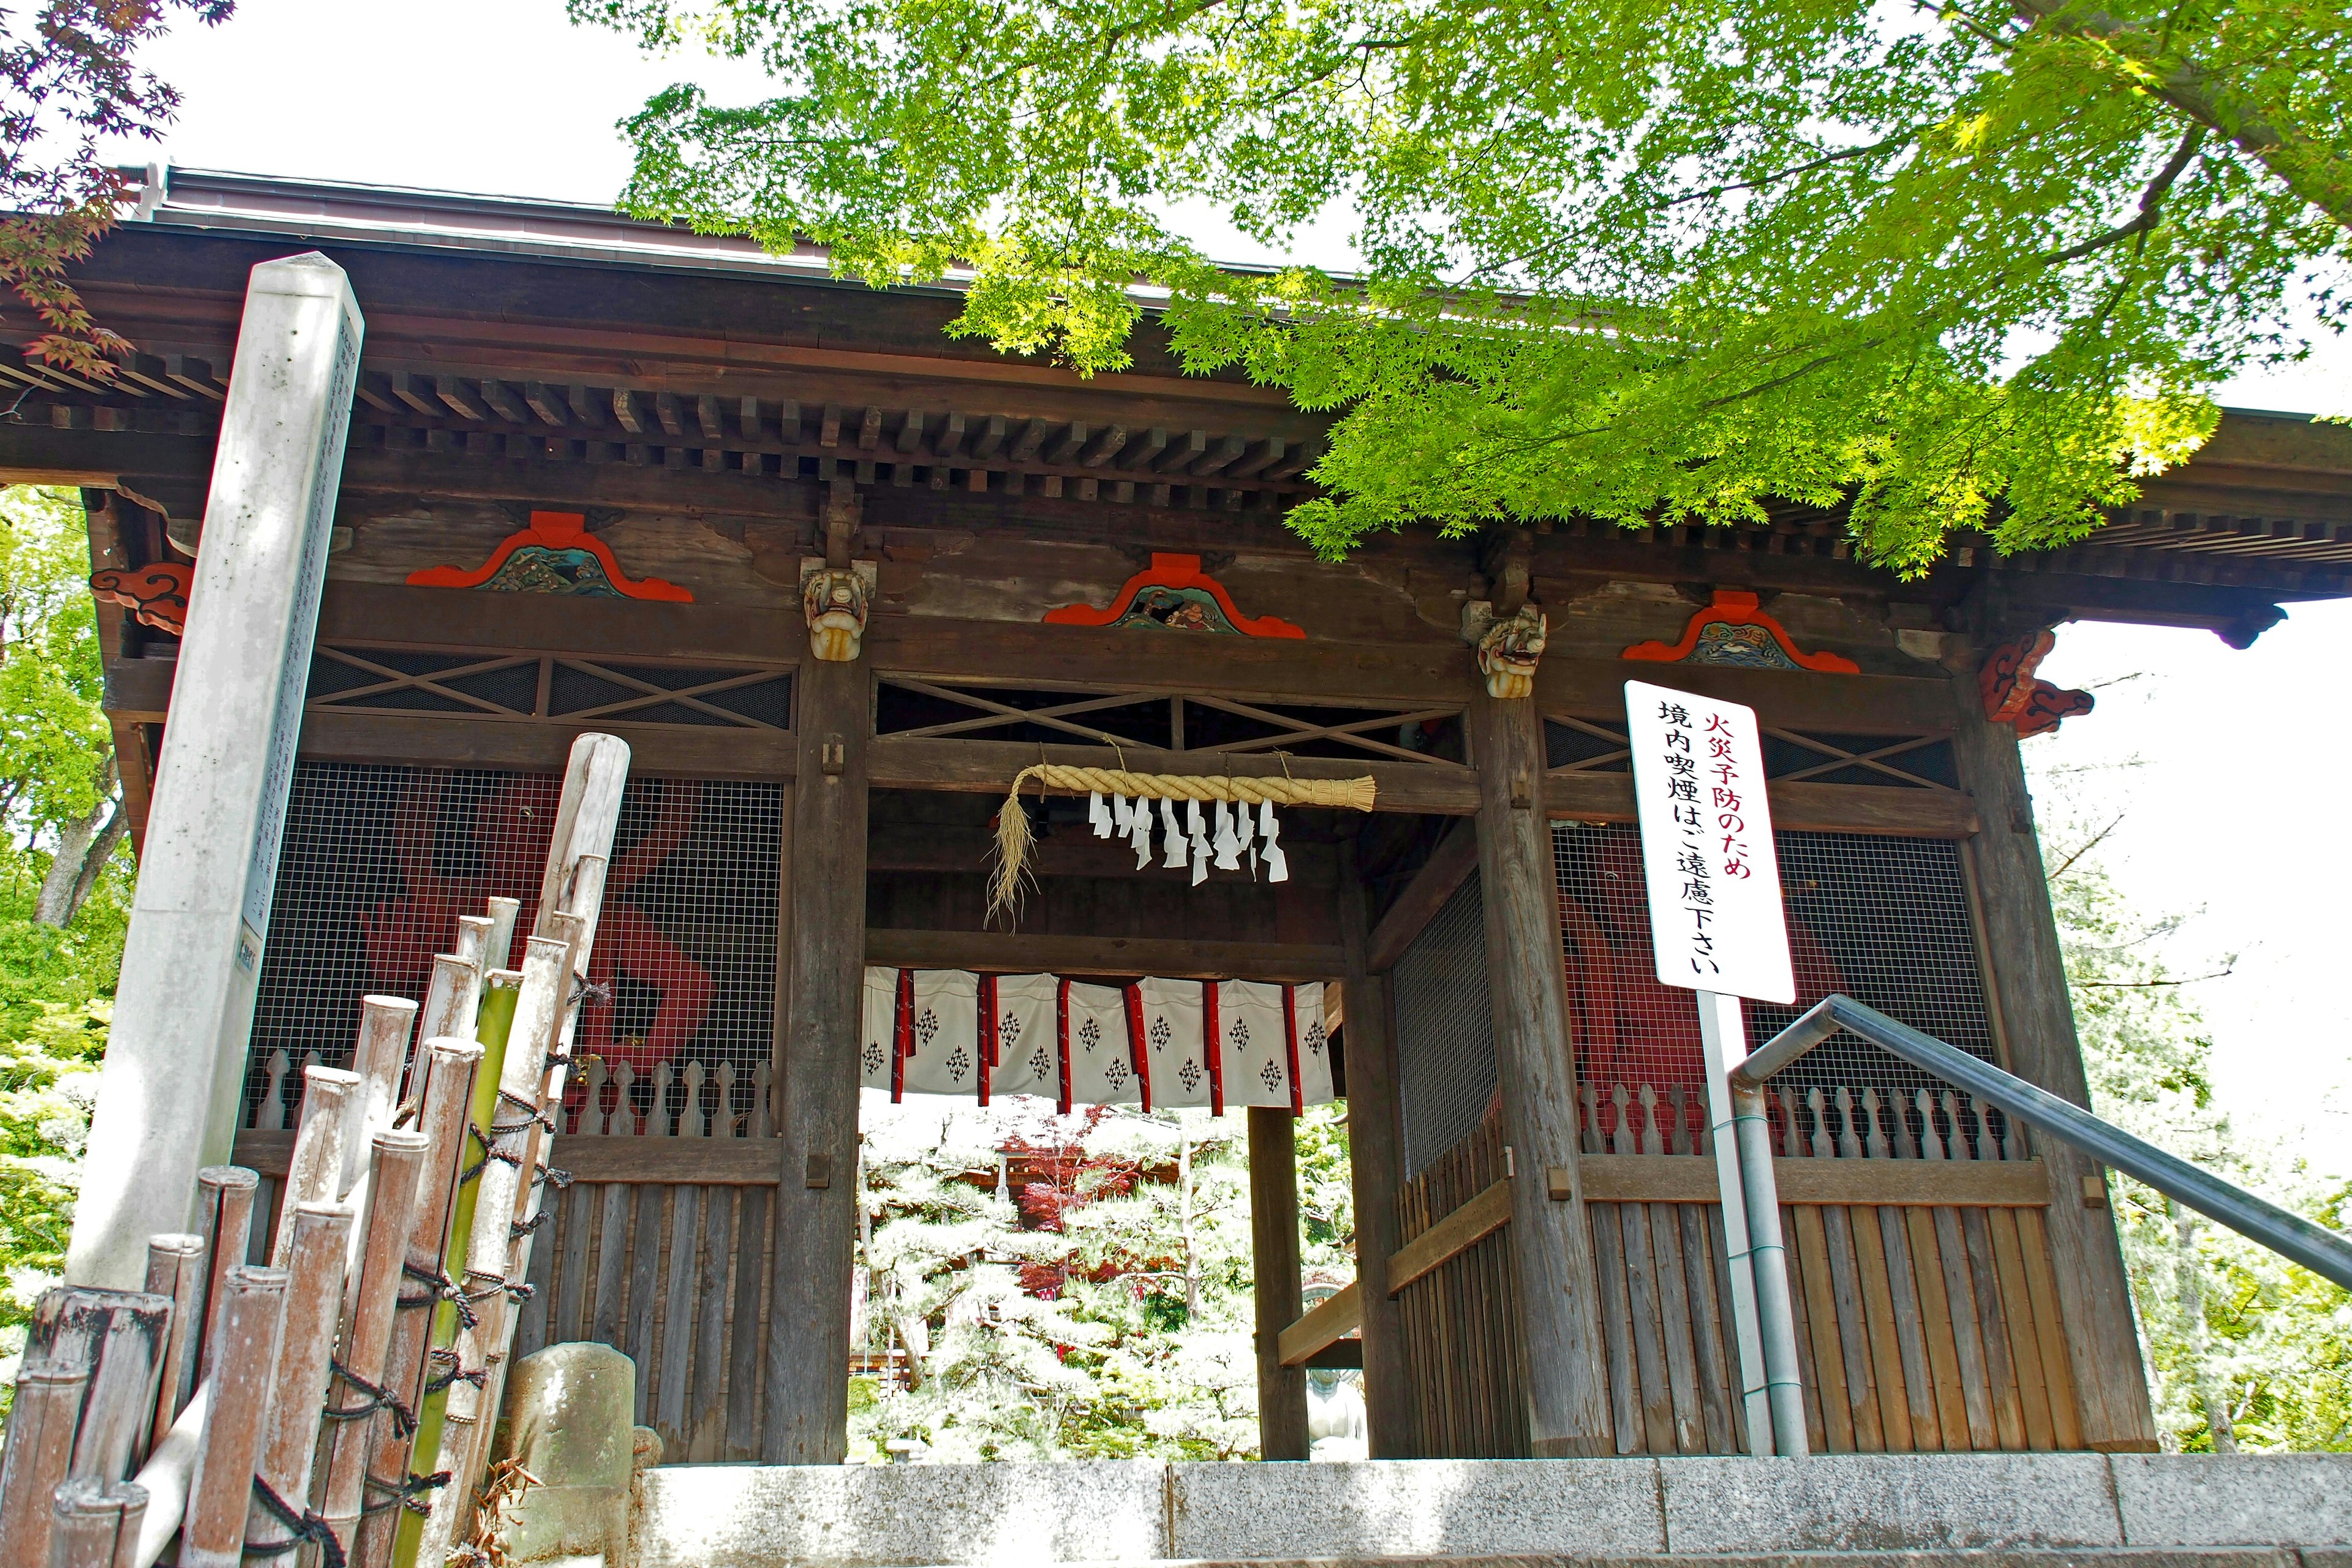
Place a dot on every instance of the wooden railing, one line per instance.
(1926, 1307)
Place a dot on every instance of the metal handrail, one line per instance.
(2318, 1248)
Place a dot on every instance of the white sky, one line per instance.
(505, 97)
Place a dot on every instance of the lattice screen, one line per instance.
(380, 861)
(1883, 919)
(1444, 1029)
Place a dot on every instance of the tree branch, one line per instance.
(2311, 171)
(2151, 201)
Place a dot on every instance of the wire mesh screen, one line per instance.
(1883, 919)
(1445, 1031)
(379, 862)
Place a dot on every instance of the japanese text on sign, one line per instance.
(1716, 920)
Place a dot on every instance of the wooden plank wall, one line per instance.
(1921, 1325)
(1462, 1344)
(664, 1264)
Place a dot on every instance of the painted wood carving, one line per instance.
(2012, 695)
(156, 595)
(1173, 592)
(1734, 630)
(1508, 646)
(555, 554)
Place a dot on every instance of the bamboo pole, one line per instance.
(504, 912)
(378, 1054)
(451, 1069)
(322, 1236)
(40, 1448)
(129, 1330)
(175, 1267)
(317, 1163)
(96, 1525)
(500, 1193)
(451, 1000)
(165, 1478)
(252, 1313)
(225, 1196)
(392, 1188)
(501, 990)
(474, 942)
(574, 929)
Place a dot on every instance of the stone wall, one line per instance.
(2157, 1509)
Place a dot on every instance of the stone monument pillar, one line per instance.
(173, 1079)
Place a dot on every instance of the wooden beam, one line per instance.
(1280, 668)
(686, 1162)
(1171, 958)
(373, 735)
(987, 767)
(1274, 1288)
(2036, 1021)
(1814, 808)
(386, 616)
(1466, 1227)
(965, 849)
(1789, 699)
(137, 690)
(807, 1405)
(1558, 1285)
(1448, 867)
(1375, 1170)
(1333, 1319)
(1959, 1183)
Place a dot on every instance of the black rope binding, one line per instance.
(403, 1419)
(456, 1375)
(305, 1526)
(403, 1494)
(443, 1290)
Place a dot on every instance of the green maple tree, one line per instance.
(1961, 264)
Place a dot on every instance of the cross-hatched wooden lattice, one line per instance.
(1574, 745)
(457, 683)
(1067, 713)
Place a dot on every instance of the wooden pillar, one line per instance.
(1274, 1250)
(807, 1409)
(2038, 1026)
(1567, 1378)
(1376, 1169)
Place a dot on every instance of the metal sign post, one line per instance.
(1717, 928)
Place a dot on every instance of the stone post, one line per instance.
(174, 1074)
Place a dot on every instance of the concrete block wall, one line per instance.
(2139, 1511)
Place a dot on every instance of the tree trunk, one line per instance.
(83, 849)
(2189, 1273)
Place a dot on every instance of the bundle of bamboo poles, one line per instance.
(280, 1411)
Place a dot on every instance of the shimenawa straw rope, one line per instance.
(1014, 838)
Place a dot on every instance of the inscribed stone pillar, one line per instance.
(1376, 1166)
(2029, 979)
(1566, 1379)
(1274, 1250)
(175, 1075)
(808, 1338)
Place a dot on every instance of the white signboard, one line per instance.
(1716, 920)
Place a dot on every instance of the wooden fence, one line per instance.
(1919, 1264)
